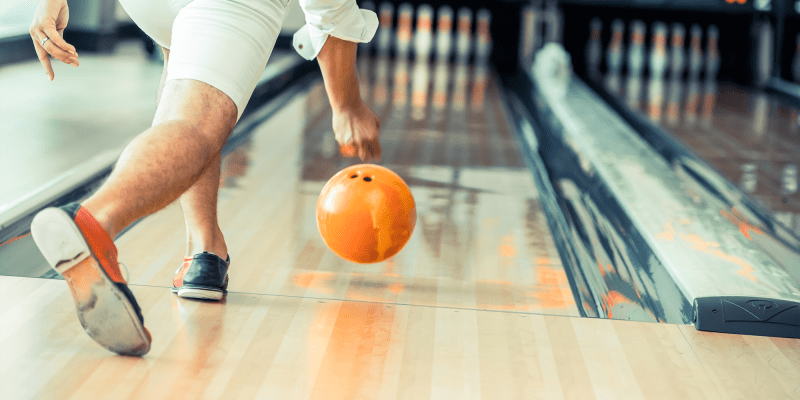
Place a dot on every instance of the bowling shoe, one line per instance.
(77, 247)
(204, 276)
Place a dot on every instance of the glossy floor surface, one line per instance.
(284, 346)
(751, 137)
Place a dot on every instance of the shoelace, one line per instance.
(124, 268)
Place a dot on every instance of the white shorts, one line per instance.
(224, 43)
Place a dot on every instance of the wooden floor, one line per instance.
(476, 306)
(276, 346)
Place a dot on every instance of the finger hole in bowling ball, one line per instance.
(367, 179)
(353, 176)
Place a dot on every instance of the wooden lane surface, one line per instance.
(266, 346)
(481, 241)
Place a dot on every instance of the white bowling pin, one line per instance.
(677, 57)
(405, 15)
(764, 56)
(695, 52)
(529, 36)
(712, 53)
(636, 48)
(385, 31)
(483, 43)
(464, 35)
(553, 23)
(615, 47)
(658, 51)
(444, 33)
(594, 47)
(423, 37)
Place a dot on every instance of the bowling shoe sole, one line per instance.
(198, 293)
(103, 309)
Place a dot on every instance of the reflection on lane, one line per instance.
(749, 136)
(482, 239)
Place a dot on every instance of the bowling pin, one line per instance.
(677, 57)
(594, 47)
(385, 31)
(444, 33)
(796, 61)
(658, 51)
(464, 35)
(405, 15)
(636, 48)
(712, 53)
(483, 44)
(530, 36)
(695, 52)
(615, 47)
(423, 37)
(420, 77)
(553, 23)
(763, 52)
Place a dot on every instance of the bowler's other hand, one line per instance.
(357, 131)
(49, 21)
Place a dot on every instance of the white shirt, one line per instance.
(340, 18)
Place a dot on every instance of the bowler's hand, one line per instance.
(49, 22)
(357, 130)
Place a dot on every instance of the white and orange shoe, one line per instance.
(77, 247)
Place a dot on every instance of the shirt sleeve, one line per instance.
(340, 18)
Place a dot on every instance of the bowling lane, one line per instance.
(751, 137)
(481, 239)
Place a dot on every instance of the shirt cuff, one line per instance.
(359, 27)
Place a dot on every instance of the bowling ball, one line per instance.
(366, 213)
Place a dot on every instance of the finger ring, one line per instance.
(44, 40)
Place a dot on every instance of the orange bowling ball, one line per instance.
(366, 213)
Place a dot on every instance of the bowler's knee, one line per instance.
(205, 110)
